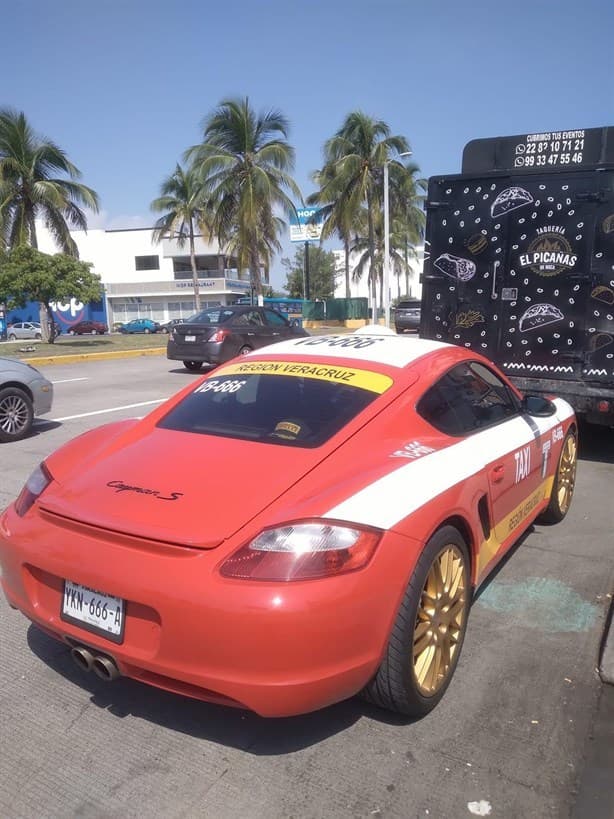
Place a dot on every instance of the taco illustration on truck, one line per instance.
(538, 315)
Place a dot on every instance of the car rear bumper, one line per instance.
(273, 648)
(206, 352)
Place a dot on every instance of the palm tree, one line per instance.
(355, 159)
(407, 217)
(33, 184)
(245, 163)
(336, 213)
(182, 200)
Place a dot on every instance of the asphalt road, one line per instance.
(511, 737)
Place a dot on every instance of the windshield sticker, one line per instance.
(363, 379)
(215, 385)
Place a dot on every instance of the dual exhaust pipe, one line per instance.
(103, 666)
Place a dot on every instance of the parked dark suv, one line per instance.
(407, 316)
(218, 334)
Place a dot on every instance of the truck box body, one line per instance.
(519, 262)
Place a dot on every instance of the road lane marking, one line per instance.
(110, 409)
(68, 380)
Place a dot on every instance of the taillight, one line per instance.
(303, 551)
(36, 484)
(219, 335)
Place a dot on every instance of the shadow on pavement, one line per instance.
(596, 443)
(215, 723)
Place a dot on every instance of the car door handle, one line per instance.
(497, 473)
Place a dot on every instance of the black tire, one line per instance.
(12, 337)
(564, 482)
(147, 331)
(245, 350)
(401, 683)
(16, 414)
(38, 336)
(193, 366)
(71, 333)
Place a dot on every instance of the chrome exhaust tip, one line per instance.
(82, 657)
(105, 668)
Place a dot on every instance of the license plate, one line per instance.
(190, 338)
(93, 610)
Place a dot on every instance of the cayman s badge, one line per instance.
(120, 486)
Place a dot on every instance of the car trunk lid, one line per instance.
(195, 495)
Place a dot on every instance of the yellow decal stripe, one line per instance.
(364, 379)
(504, 528)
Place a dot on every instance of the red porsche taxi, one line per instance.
(327, 508)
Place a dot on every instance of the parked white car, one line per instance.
(24, 329)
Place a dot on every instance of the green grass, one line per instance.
(71, 345)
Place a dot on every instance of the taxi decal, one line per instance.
(385, 502)
(502, 530)
(364, 379)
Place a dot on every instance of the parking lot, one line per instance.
(511, 737)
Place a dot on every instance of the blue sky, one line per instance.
(123, 85)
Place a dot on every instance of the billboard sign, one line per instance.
(305, 226)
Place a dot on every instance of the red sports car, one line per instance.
(327, 509)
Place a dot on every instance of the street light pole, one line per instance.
(387, 241)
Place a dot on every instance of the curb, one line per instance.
(72, 358)
(606, 667)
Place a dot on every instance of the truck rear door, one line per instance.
(509, 268)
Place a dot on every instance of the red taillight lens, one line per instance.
(36, 484)
(303, 551)
(219, 335)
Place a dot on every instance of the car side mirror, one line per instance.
(538, 405)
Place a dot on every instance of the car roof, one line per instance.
(386, 350)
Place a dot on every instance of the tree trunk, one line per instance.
(346, 245)
(47, 322)
(194, 271)
(372, 270)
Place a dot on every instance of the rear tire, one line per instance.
(147, 330)
(16, 414)
(245, 350)
(428, 633)
(193, 366)
(564, 482)
(12, 337)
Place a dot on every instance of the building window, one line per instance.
(147, 262)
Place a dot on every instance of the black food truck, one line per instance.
(519, 262)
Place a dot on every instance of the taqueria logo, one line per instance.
(549, 253)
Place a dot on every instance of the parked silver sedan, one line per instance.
(24, 394)
(24, 329)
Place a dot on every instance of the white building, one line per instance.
(142, 279)
(400, 285)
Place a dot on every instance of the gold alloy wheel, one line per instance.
(566, 476)
(440, 622)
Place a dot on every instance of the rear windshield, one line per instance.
(212, 315)
(287, 410)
